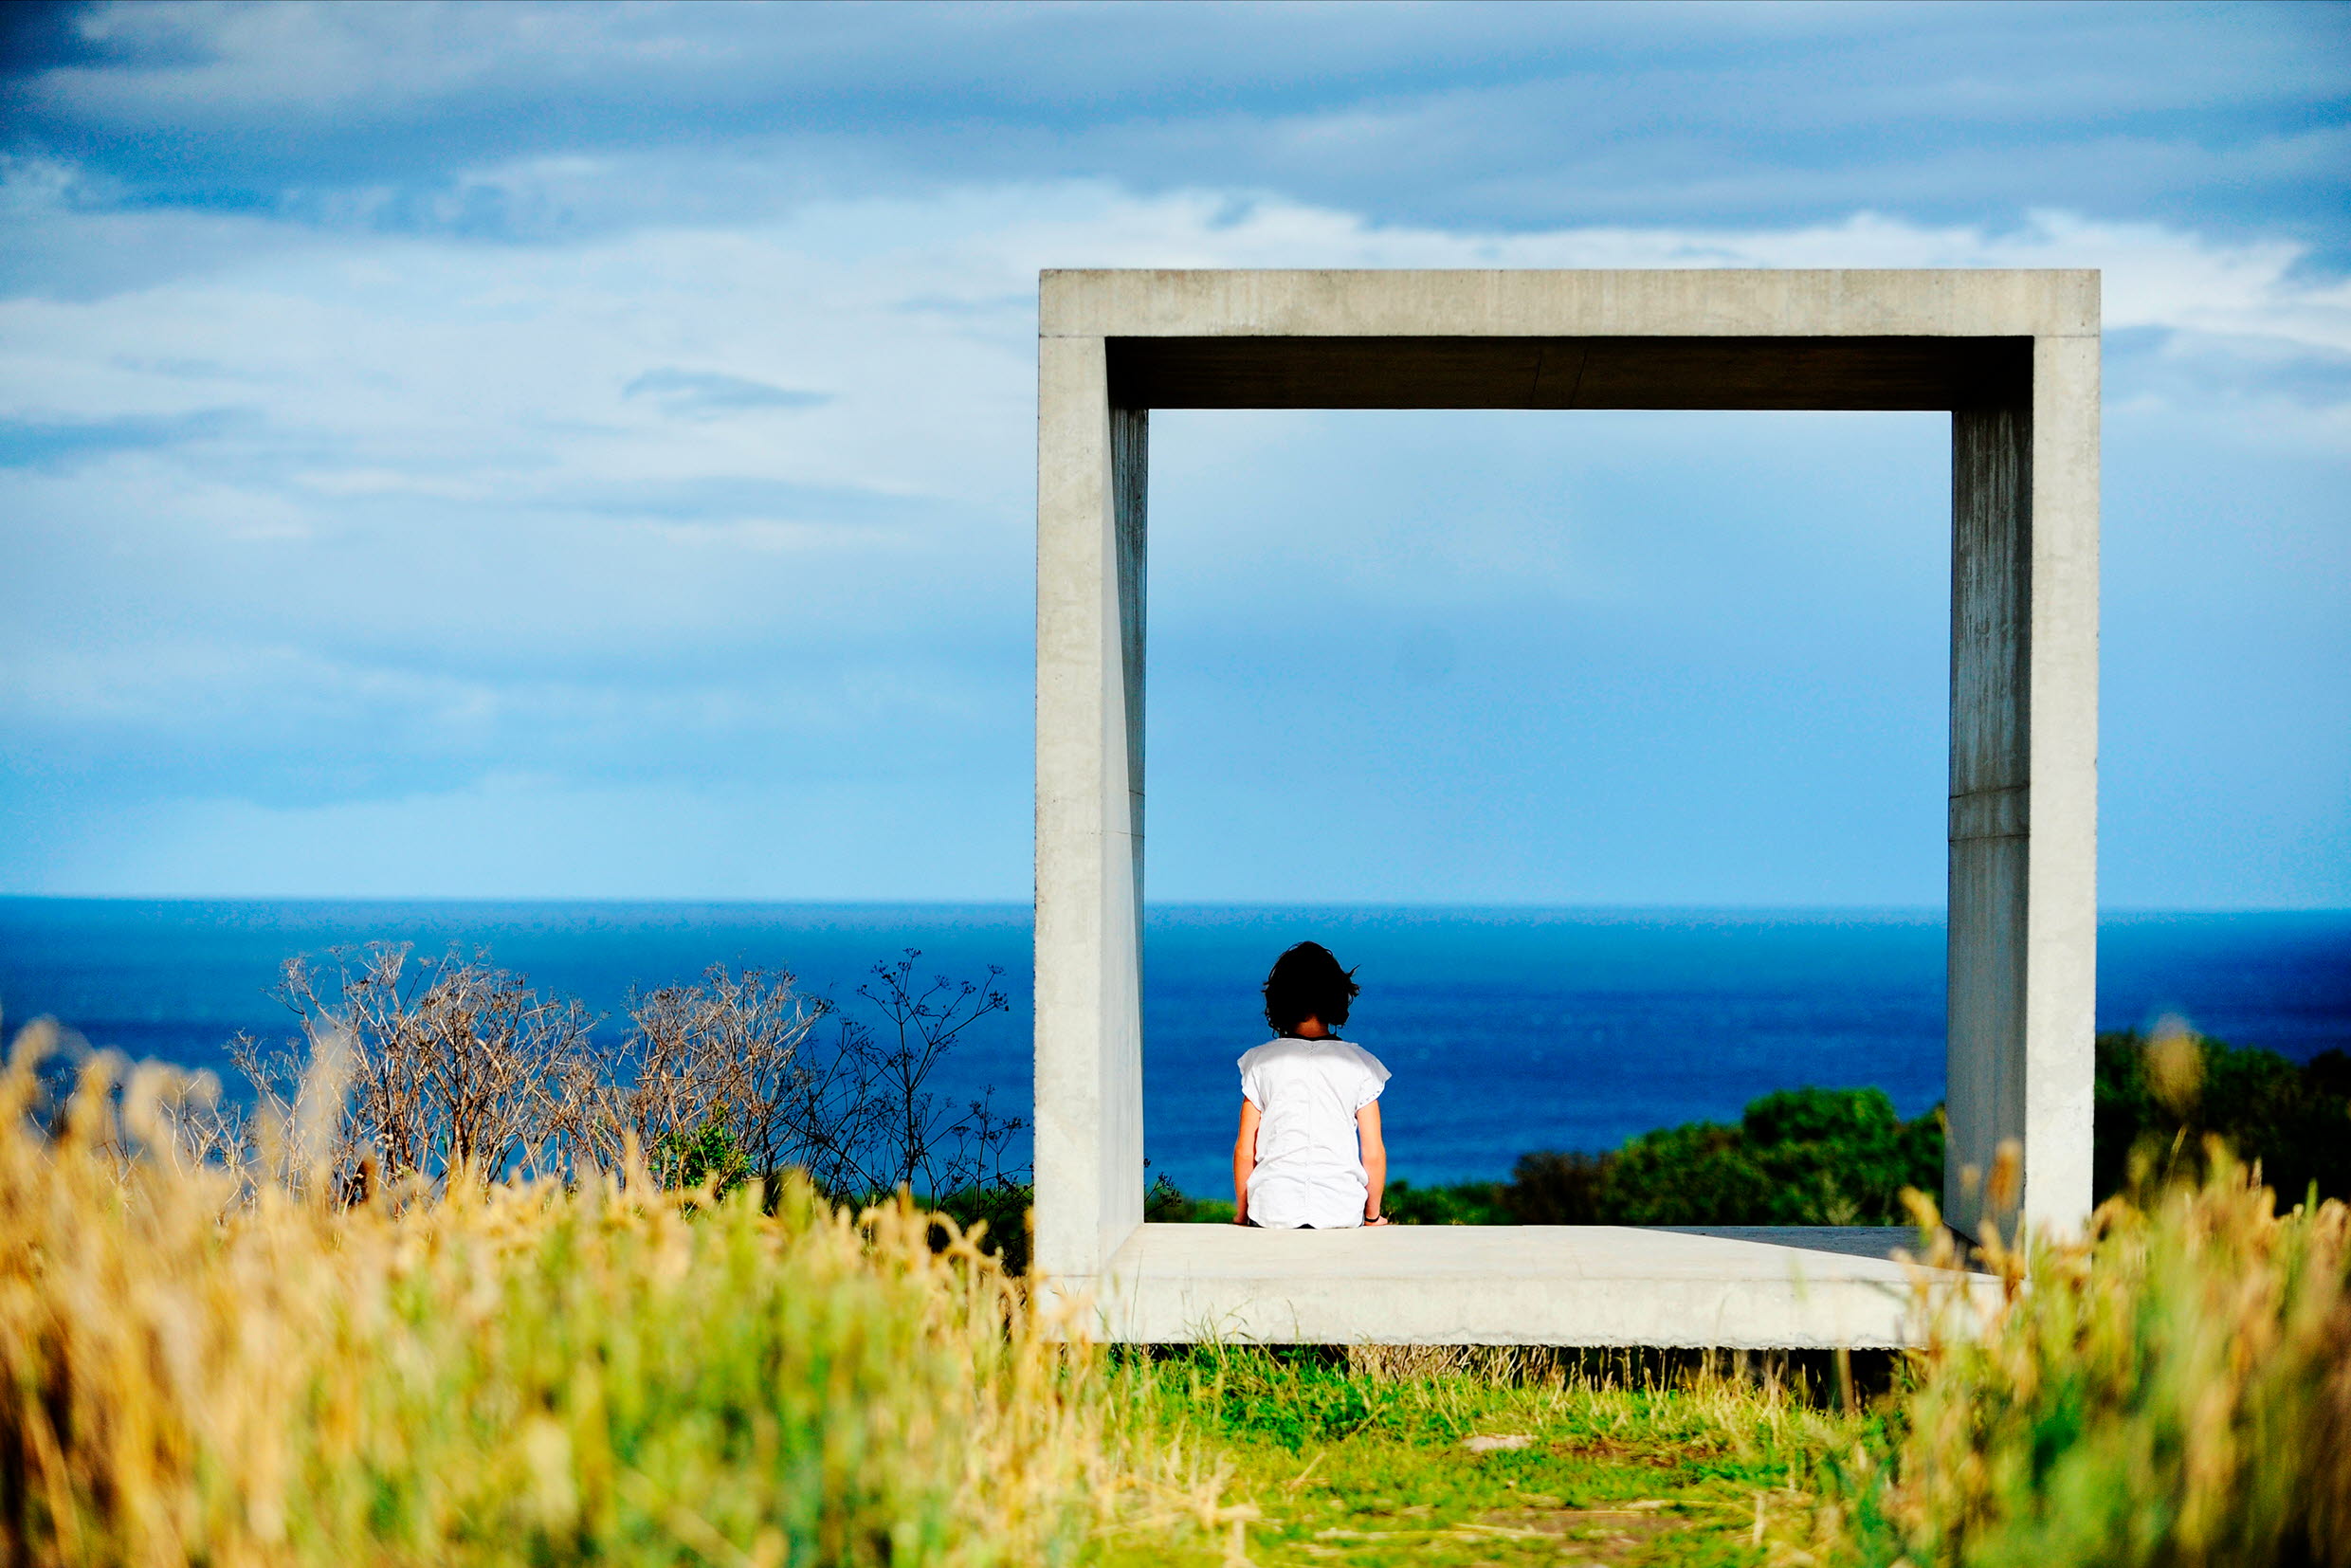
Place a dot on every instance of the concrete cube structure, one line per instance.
(2012, 356)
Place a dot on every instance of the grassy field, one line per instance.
(1443, 1456)
(255, 1363)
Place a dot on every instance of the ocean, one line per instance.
(1507, 1029)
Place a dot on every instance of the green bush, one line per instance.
(1167, 1204)
(708, 1154)
(1004, 1207)
(1558, 1187)
(2164, 1094)
(1797, 1157)
(1465, 1203)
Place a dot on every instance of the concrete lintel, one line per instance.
(1658, 303)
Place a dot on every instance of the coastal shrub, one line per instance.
(1797, 1157)
(1841, 1157)
(445, 1064)
(706, 1157)
(1557, 1187)
(1462, 1203)
(2173, 1089)
(1164, 1203)
(202, 1363)
(995, 1216)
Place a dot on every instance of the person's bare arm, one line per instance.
(1244, 1161)
(1374, 1162)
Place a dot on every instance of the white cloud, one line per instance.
(435, 522)
(1493, 115)
(509, 362)
(422, 427)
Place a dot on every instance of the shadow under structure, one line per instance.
(2012, 356)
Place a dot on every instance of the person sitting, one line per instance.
(1309, 1155)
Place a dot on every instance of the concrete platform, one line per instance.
(1737, 1287)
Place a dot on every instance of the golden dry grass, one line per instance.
(206, 1365)
(2173, 1386)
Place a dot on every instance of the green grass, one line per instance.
(1362, 1458)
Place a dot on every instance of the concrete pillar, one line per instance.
(1991, 795)
(2024, 783)
(2061, 985)
(1090, 486)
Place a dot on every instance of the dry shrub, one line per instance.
(203, 1362)
(731, 1049)
(2172, 1387)
(452, 1062)
(448, 1063)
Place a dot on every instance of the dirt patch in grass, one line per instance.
(1597, 1535)
(1609, 1451)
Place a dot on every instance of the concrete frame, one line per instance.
(2012, 356)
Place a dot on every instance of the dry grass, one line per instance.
(206, 1363)
(2172, 1387)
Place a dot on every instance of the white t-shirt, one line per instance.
(1309, 1167)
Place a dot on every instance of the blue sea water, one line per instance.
(1507, 1029)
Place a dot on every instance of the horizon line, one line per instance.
(743, 901)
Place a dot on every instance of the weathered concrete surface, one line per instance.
(2013, 354)
(1739, 1287)
(1668, 303)
(1089, 831)
(2061, 923)
(2023, 787)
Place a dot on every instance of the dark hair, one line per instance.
(1306, 982)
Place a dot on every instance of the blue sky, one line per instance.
(587, 451)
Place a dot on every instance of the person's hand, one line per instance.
(1376, 1219)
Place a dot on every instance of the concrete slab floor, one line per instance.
(1731, 1287)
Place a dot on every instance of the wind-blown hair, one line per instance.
(1306, 982)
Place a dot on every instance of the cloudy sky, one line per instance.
(588, 451)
